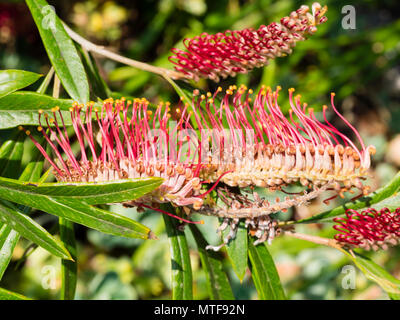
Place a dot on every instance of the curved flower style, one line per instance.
(370, 229)
(242, 141)
(226, 54)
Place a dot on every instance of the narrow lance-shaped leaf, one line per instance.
(98, 84)
(264, 273)
(13, 80)
(237, 250)
(69, 269)
(61, 50)
(8, 240)
(9, 295)
(218, 285)
(31, 230)
(11, 154)
(21, 108)
(376, 273)
(9, 237)
(91, 193)
(181, 269)
(82, 213)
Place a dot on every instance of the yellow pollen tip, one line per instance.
(40, 111)
(51, 120)
(333, 94)
(39, 128)
(178, 110)
(202, 97)
(219, 89)
(149, 112)
(250, 91)
(209, 94)
(291, 90)
(201, 221)
(324, 107)
(28, 132)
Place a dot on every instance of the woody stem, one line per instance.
(89, 46)
(315, 239)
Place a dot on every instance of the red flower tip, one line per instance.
(226, 54)
(370, 229)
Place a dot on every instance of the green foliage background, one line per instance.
(361, 66)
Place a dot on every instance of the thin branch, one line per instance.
(89, 46)
(315, 239)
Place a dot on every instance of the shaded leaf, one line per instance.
(218, 284)
(11, 154)
(69, 269)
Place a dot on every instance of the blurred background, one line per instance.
(361, 65)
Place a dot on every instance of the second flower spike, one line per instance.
(232, 52)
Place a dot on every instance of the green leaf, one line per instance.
(80, 212)
(13, 80)
(31, 230)
(69, 269)
(21, 108)
(264, 273)
(9, 295)
(237, 250)
(11, 154)
(61, 50)
(90, 192)
(45, 83)
(8, 241)
(368, 201)
(8, 236)
(181, 270)
(98, 84)
(376, 273)
(212, 262)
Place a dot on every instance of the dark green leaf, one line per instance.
(264, 273)
(61, 50)
(11, 154)
(212, 262)
(237, 250)
(91, 193)
(98, 84)
(13, 80)
(8, 295)
(31, 230)
(69, 269)
(181, 270)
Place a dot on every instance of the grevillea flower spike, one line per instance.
(242, 141)
(370, 229)
(226, 54)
